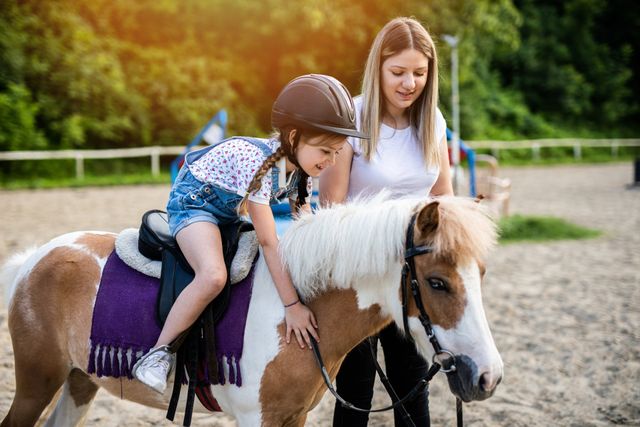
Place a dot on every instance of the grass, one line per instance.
(518, 228)
(88, 181)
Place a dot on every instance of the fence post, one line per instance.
(155, 161)
(614, 149)
(577, 151)
(535, 151)
(79, 166)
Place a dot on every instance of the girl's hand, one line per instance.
(301, 321)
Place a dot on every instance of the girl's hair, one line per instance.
(288, 150)
(396, 36)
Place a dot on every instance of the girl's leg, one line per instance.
(201, 245)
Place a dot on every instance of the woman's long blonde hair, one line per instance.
(397, 35)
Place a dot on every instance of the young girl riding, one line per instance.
(313, 115)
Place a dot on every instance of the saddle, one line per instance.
(196, 346)
(155, 242)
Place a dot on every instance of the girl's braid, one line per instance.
(268, 163)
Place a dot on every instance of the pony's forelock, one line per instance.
(466, 231)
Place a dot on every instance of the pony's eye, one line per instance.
(437, 284)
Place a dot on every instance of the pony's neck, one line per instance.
(342, 325)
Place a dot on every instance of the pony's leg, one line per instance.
(297, 421)
(38, 378)
(77, 394)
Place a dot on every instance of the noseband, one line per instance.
(437, 365)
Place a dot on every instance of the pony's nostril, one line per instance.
(487, 383)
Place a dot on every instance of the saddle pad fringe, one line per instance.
(232, 367)
(107, 360)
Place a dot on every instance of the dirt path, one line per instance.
(565, 315)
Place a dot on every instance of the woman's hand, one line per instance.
(301, 321)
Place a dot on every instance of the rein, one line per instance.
(409, 267)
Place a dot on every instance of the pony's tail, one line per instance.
(9, 273)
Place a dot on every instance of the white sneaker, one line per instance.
(154, 368)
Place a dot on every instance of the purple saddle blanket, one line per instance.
(125, 324)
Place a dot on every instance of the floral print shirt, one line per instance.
(232, 166)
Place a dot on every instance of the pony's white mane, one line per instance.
(365, 239)
(337, 245)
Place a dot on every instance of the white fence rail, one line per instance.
(536, 144)
(155, 152)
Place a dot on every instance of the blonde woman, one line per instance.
(406, 156)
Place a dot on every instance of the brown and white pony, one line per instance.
(346, 262)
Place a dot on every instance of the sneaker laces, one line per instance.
(164, 360)
(159, 359)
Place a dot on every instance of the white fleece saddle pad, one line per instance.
(127, 250)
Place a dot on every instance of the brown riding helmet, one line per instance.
(319, 102)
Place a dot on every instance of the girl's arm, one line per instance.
(334, 182)
(443, 186)
(299, 319)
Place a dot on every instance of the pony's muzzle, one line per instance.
(467, 383)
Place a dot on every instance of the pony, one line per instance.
(347, 264)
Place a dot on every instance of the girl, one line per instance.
(407, 156)
(313, 115)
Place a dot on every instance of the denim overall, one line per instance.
(192, 200)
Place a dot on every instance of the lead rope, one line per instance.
(423, 382)
(387, 385)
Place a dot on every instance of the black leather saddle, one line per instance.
(155, 242)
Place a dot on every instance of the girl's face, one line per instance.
(316, 154)
(403, 77)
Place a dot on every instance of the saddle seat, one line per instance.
(155, 235)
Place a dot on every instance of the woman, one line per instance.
(406, 156)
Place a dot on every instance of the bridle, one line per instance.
(446, 366)
(409, 267)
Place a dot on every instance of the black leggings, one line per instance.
(404, 367)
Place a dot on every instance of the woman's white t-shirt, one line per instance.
(397, 166)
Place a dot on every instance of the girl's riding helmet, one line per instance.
(316, 101)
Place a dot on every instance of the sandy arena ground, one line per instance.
(565, 315)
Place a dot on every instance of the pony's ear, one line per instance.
(428, 218)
